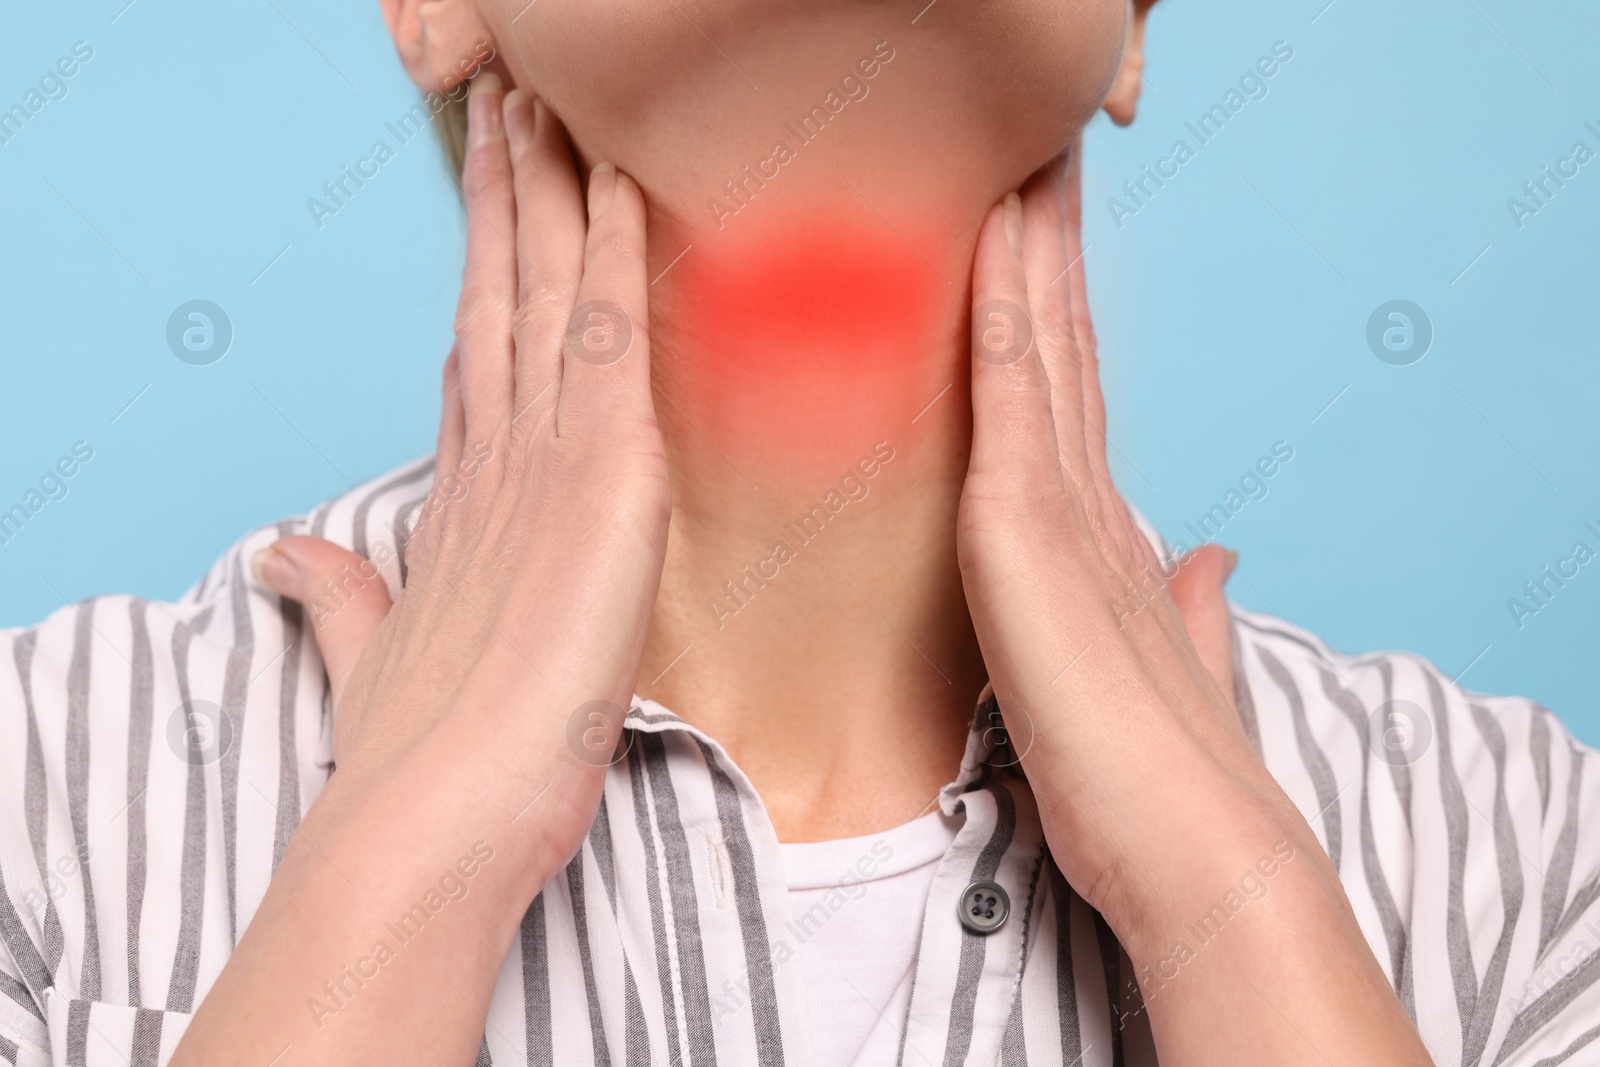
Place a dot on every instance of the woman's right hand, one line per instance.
(475, 715)
(536, 559)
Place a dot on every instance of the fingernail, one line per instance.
(267, 565)
(602, 188)
(1013, 211)
(1233, 561)
(516, 129)
(484, 122)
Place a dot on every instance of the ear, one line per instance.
(442, 43)
(1123, 100)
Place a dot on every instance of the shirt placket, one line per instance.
(975, 928)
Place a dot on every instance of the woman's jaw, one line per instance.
(815, 176)
(815, 179)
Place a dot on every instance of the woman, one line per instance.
(656, 741)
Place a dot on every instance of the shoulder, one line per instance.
(154, 760)
(1465, 827)
(1335, 723)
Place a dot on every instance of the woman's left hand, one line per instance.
(1154, 803)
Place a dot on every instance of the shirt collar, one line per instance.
(991, 748)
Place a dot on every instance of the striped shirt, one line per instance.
(155, 760)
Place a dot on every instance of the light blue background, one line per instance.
(1232, 308)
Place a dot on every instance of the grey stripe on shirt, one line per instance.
(624, 948)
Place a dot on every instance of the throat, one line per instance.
(797, 339)
(812, 388)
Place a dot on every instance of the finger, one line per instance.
(447, 456)
(488, 288)
(1094, 405)
(1197, 591)
(1044, 261)
(550, 236)
(341, 592)
(1045, 253)
(452, 420)
(1076, 280)
(1092, 399)
(1013, 432)
(605, 370)
(1053, 260)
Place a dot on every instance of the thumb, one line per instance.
(341, 592)
(1197, 592)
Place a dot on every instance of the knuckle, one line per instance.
(478, 312)
(611, 243)
(540, 313)
(482, 176)
(1053, 326)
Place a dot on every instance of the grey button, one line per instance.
(984, 907)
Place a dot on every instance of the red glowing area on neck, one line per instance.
(805, 340)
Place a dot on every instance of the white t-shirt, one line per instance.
(858, 906)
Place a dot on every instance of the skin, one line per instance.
(605, 506)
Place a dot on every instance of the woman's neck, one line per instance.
(812, 388)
